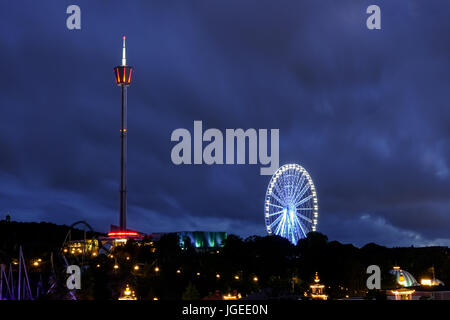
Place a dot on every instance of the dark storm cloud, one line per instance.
(365, 112)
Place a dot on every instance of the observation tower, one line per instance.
(123, 80)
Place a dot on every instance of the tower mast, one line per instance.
(123, 80)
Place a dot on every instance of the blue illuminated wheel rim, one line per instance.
(291, 208)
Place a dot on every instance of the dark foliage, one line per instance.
(257, 266)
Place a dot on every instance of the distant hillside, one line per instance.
(35, 238)
(334, 261)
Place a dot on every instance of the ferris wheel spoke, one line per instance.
(301, 228)
(284, 227)
(302, 192)
(304, 217)
(280, 190)
(275, 205)
(299, 179)
(303, 200)
(293, 234)
(280, 224)
(275, 213)
(285, 230)
(298, 186)
(276, 221)
(285, 182)
(297, 231)
(304, 209)
(294, 223)
(277, 198)
(292, 227)
(281, 197)
(296, 182)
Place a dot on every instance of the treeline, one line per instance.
(256, 267)
(36, 239)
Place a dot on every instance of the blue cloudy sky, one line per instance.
(366, 112)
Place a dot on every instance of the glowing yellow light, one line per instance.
(155, 298)
(117, 75)
(136, 267)
(317, 286)
(40, 260)
(255, 279)
(156, 269)
(65, 250)
(178, 271)
(35, 263)
(427, 282)
(128, 258)
(316, 278)
(128, 294)
(98, 266)
(218, 276)
(403, 292)
(198, 273)
(236, 277)
(402, 280)
(116, 266)
(94, 254)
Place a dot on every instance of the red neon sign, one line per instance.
(123, 234)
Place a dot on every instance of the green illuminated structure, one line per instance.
(202, 239)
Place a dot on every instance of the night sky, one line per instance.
(366, 112)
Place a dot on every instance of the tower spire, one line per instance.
(124, 53)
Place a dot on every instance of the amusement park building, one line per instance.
(410, 289)
(198, 239)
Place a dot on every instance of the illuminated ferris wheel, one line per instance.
(291, 208)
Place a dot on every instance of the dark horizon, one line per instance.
(364, 112)
(234, 234)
